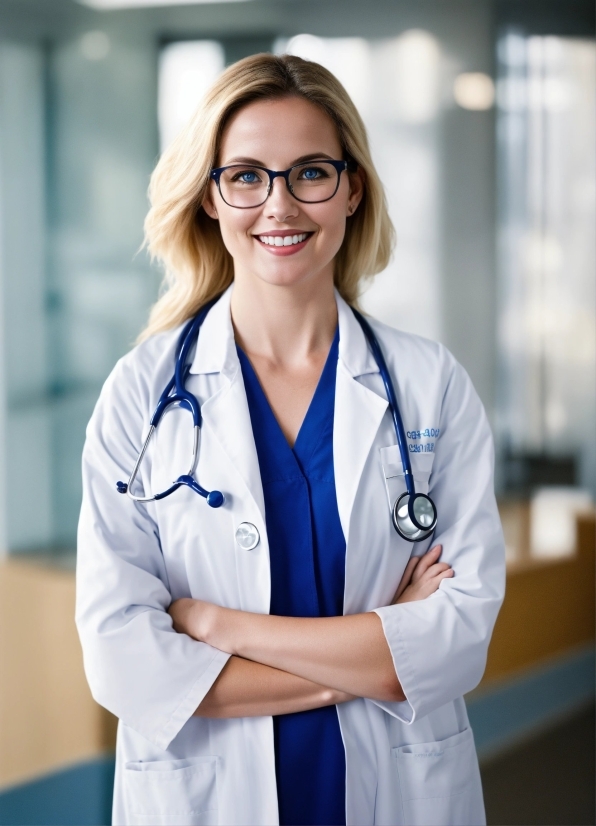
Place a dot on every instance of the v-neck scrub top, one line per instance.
(307, 556)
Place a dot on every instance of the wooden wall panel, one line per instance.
(48, 718)
(548, 608)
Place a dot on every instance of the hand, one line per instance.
(422, 577)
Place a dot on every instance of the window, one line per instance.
(395, 84)
(547, 312)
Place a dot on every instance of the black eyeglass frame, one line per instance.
(340, 166)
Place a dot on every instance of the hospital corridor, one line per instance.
(479, 167)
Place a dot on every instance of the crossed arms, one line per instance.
(281, 665)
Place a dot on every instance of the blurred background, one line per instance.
(481, 117)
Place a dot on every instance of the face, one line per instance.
(278, 134)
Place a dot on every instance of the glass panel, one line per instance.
(395, 85)
(547, 313)
(186, 71)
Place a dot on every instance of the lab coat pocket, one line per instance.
(393, 472)
(171, 792)
(440, 782)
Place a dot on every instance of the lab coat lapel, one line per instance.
(358, 413)
(226, 412)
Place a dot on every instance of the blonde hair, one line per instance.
(180, 234)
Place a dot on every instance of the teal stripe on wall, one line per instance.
(78, 796)
(514, 709)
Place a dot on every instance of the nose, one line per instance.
(280, 204)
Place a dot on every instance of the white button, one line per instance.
(247, 536)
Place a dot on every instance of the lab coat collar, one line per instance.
(216, 349)
(354, 352)
(358, 408)
(359, 411)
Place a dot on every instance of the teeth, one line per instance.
(282, 240)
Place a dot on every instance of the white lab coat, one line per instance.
(407, 763)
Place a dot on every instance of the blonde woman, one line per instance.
(275, 649)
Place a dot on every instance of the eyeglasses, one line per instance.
(245, 186)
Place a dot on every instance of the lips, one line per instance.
(283, 240)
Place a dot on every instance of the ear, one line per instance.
(208, 204)
(357, 183)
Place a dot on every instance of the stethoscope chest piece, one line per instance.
(414, 516)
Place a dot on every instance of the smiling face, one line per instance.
(283, 241)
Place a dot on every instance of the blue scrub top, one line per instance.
(307, 556)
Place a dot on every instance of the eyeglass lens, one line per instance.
(248, 186)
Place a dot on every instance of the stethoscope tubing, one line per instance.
(175, 392)
(393, 406)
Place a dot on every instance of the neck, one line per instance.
(284, 324)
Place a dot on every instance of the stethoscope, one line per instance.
(414, 515)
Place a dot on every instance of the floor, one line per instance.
(548, 781)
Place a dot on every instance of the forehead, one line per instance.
(277, 132)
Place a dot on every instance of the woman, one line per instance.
(283, 657)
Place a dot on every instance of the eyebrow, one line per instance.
(319, 156)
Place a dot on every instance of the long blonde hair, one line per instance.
(180, 234)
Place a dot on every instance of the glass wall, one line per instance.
(546, 250)
(85, 112)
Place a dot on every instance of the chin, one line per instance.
(285, 276)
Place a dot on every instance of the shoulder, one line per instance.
(139, 377)
(410, 351)
(152, 356)
(426, 369)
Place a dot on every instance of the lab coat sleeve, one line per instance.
(439, 645)
(137, 666)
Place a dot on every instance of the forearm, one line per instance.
(250, 689)
(347, 653)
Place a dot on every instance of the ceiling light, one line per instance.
(108, 5)
(474, 90)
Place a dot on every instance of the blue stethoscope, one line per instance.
(414, 515)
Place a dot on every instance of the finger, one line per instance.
(436, 580)
(435, 569)
(406, 577)
(407, 574)
(430, 586)
(429, 558)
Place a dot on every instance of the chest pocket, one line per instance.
(393, 472)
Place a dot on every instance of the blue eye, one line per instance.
(249, 177)
(311, 174)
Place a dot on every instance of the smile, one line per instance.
(283, 240)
